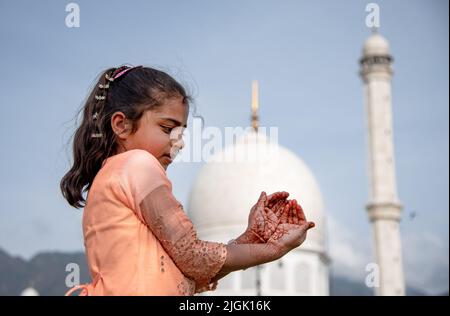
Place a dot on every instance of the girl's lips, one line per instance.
(167, 157)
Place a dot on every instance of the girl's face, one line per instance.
(159, 130)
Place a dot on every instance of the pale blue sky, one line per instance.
(305, 56)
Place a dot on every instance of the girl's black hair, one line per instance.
(138, 90)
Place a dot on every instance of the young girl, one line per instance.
(137, 237)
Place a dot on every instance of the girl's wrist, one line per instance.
(267, 252)
(275, 249)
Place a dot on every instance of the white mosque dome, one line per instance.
(376, 45)
(29, 291)
(227, 188)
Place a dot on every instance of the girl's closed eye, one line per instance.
(167, 129)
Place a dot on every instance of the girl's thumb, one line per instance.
(262, 197)
(306, 226)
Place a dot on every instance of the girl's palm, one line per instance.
(262, 221)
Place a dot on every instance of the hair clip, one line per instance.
(95, 116)
(109, 78)
(124, 71)
(100, 97)
(96, 135)
(106, 86)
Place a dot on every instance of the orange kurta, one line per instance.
(124, 255)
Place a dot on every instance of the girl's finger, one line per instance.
(300, 213)
(272, 223)
(279, 210)
(262, 198)
(284, 214)
(260, 222)
(273, 220)
(295, 219)
(288, 212)
(293, 211)
(278, 206)
(275, 197)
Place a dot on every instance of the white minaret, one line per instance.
(384, 207)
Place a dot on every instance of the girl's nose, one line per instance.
(176, 147)
(176, 137)
(180, 143)
(176, 141)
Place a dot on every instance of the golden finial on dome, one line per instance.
(255, 105)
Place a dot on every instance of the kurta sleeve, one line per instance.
(198, 260)
(150, 192)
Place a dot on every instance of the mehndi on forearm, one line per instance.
(243, 256)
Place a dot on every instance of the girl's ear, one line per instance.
(121, 126)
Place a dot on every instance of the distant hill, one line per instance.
(341, 286)
(46, 273)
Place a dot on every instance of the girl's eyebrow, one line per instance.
(177, 123)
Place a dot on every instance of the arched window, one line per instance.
(248, 279)
(303, 278)
(277, 276)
